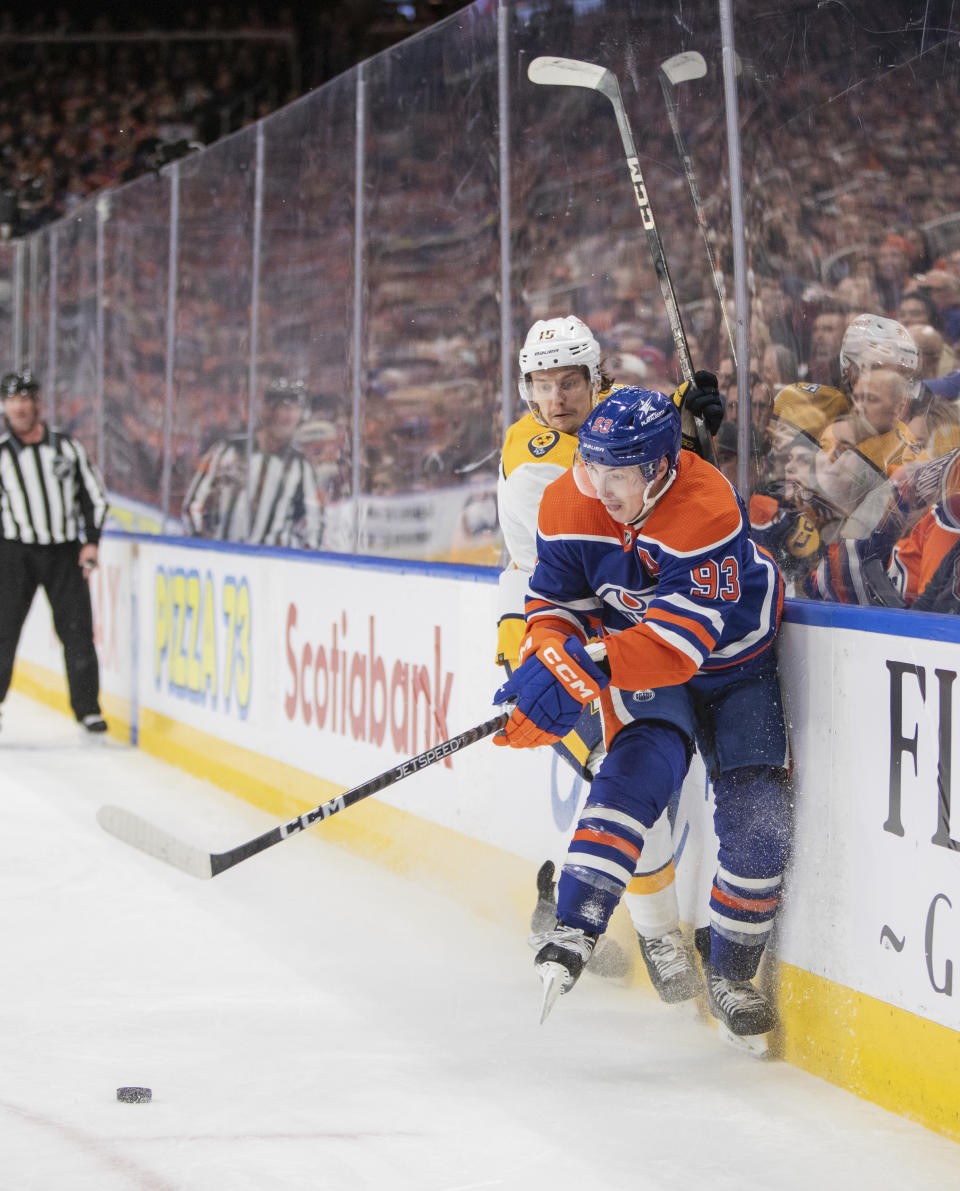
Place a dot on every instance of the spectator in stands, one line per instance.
(893, 271)
(934, 421)
(826, 336)
(761, 401)
(726, 443)
(944, 291)
(779, 367)
(875, 426)
(917, 308)
(899, 566)
(761, 407)
(831, 448)
(857, 292)
(778, 312)
(936, 358)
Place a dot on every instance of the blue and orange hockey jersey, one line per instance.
(686, 592)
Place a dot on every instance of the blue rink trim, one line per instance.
(357, 562)
(892, 622)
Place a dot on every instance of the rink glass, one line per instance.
(388, 238)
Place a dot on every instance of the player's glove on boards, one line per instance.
(551, 689)
(702, 398)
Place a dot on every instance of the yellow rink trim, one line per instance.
(887, 1055)
(494, 883)
(51, 688)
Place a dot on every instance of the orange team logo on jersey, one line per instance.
(541, 443)
(631, 603)
(647, 559)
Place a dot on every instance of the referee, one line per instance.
(277, 476)
(52, 508)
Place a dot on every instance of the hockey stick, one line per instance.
(682, 68)
(156, 842)
(569, 72)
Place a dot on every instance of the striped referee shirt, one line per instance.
(285, 508)
(50, 492)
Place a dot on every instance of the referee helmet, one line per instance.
(13, 383)
(286, 390)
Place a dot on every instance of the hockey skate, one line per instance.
(744, 1015)
(545, 911)
(608, 959)
(671, 967)
(563, 954)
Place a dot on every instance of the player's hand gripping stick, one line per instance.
(550, 689)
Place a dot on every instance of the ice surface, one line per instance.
(309, 1020)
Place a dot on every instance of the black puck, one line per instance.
(134, 1095)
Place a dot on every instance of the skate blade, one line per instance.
(553, 976)
(755, 1045)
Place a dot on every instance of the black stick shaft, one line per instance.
(658, 257)
(689, 173)
(571, 72)
(223, 860)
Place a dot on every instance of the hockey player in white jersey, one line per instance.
(561, 380)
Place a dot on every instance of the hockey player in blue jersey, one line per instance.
(652, 544)
(562, 379)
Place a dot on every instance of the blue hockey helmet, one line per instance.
(633, 427)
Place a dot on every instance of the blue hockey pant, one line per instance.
(740, 731)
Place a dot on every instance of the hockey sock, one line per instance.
(752, 828)
(645, 764)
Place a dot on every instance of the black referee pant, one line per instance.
(24, 568)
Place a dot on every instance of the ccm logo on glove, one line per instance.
(573, 679)
(551, 690)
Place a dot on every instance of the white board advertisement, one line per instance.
(344, 667)
(344, 670)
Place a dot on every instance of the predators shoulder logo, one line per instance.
(541, 444)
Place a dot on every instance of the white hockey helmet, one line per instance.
(558, 343)
(875, 342)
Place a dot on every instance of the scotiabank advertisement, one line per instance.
(344, 671)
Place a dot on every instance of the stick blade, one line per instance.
(140, 834)
(568, 72)
(683, 67)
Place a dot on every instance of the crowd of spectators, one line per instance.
(116, 95)
(851, 204)
(852, 208)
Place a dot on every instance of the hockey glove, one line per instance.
(551, 689)
(510, 633)
(702, 398)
